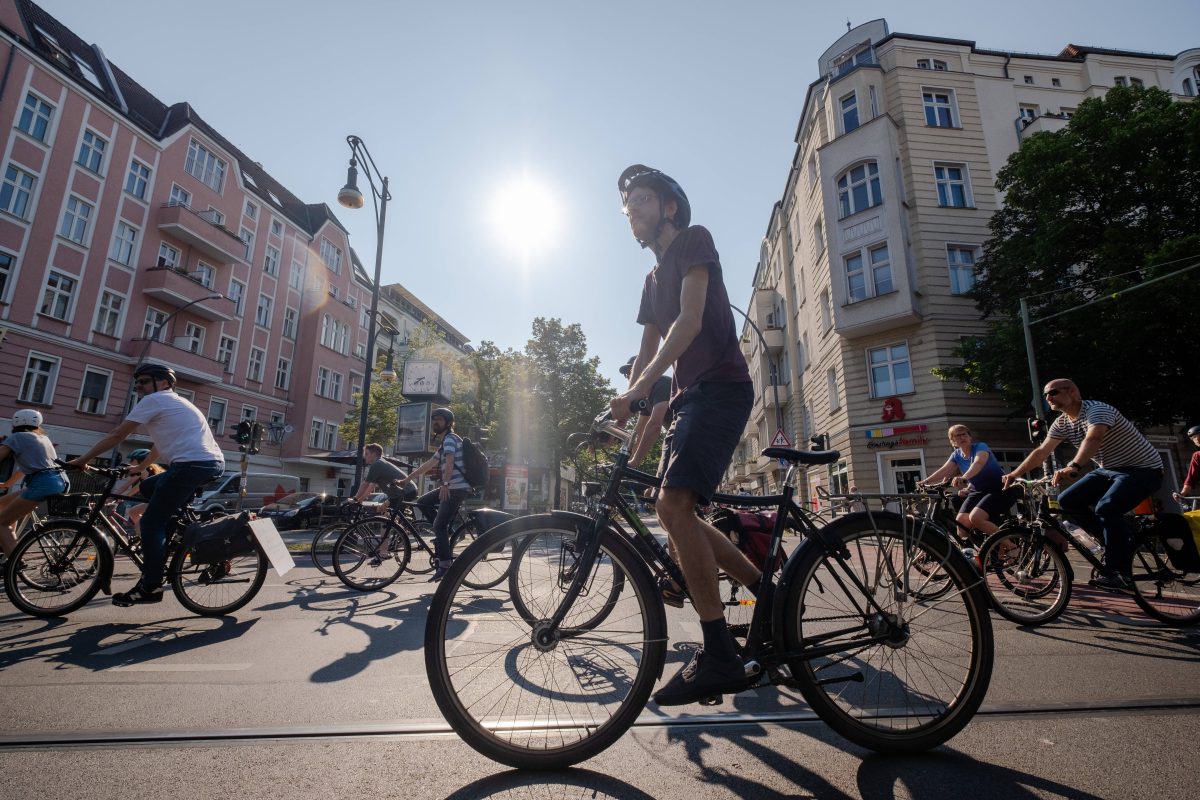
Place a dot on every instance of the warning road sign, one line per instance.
(781, 440)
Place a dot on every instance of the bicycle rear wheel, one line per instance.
(1165, 593)
(214, 590)
(532, 703)
(323, 542)
(1027, 578)
(57, 568)
(884, 666)
(371, 554)
(489, 570)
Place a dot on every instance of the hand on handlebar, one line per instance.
(624, 406)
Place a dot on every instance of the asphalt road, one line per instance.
(314, 690)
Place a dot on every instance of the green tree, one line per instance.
(382, 416)
(1106, 204)
(563, 384)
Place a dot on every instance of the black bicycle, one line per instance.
(555, 664)
(60, 565)
(1029, 577)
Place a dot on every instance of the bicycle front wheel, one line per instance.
(1165, 593)
(214, 590)
(57, 568)
(323, 542)
(534, 597)
(526, 697)
(371, 554)
(883, 664)
(1027, 578)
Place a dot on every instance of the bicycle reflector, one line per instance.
(1037, 429)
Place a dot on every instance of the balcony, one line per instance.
(215, 241)
(1045, 122)
(178, 288)
(187, 365)
(773, 337)
(767, 400)
(763, 309)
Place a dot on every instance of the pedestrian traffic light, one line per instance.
(1037, 429)
(243, 432)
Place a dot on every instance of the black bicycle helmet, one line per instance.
(663, 185)
(1192, 431)
(156, 371)
(444, 413)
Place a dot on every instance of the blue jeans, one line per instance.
(442, 518)
(1099, 502)
(167, 494)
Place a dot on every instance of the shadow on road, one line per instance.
(909, 776)
(567, 784)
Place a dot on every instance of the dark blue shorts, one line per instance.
(709, 420)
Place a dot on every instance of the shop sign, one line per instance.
(895, 436)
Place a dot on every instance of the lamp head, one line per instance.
(388, 373)
(350, 196)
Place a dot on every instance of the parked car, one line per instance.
(374, 501)
(223, 494)
(299, 510)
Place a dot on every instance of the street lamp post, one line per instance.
(351, 197)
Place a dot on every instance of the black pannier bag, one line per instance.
(220, 539)
(1178, 541)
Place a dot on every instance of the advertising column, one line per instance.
(516, 487)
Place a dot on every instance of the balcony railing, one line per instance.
(188, 365)
(201, 232)
(178, 288)
(773, 338)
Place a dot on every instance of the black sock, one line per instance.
(718, 641)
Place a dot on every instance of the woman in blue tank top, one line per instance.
(974, 467)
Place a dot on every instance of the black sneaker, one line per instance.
(136, 596)
(1113, 582)
(439, 571)
(670, 595)
(702, 678)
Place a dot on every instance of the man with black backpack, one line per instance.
(441, 505)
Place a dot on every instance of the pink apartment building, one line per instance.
(131, 230)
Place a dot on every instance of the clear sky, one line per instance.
(462, 103)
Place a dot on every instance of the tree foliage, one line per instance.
(1095, 210)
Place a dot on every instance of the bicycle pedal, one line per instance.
(712, 700)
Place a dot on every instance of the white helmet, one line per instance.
(27, 417)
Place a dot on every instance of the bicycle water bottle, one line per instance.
(1083, 538)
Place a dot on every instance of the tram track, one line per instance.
(413, 730)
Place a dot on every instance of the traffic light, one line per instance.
(1037, 429)
(820, 441)
(243, 432)
(256, 433)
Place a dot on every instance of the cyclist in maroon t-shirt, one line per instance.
(1191, 484)
(687, 324)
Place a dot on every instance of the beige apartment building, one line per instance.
(859, 290)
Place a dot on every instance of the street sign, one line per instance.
(781, 440)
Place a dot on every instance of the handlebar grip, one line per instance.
(638, 406)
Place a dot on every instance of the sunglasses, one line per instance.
(1052, 392)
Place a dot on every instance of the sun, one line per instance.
(526, 216)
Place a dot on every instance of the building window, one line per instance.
(831, 387)
(289, 323)
(826, 313)
(37, 384)
(315, 432)
(262, 315)
(962, 268)
(35, 117)
(155, 324)
(1119, 80)
(271, 260)
(330, 435)
(205, 167)
(206, 274)
(7, 262)
(276, 228)
(331, 255)
(138, 179)
(296, 278)
(849, 105)
(858, 189)
(864, 55)
(93, 395)
(1055, 82)
(322, 382)
(819, 236)
(225, 351)
(247, 236)
(951, 185)
(108, 314)
(251, 210)
(216, 415)
(168, 256)
(91, 152)
(124, 243)
(237, 293)
(56, 300)
(862, 283)
(1188, 90)
(890, 371)
(180, 196)
(1029, 79)
(1028, 114)
(76, 217)
(16, 191)
(335, 386)
(193, 337)
(925, 63)
(214, 216)
(1137, 83)
(939, 108)
(255, 369)
(249, 413)
(283, 374)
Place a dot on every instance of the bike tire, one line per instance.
(535, 599)
(914, 691)
(354, 553)
(541, 706)
(1027, 578)
(57, 568)
(1165, 593)
(217, 590)
(321, 551)
(425, 561)
(490, 570)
